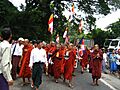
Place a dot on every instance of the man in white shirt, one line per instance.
(37, 58)
(16, 50)
(5, 60)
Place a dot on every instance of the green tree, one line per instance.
(7, 11)
(32, 21)
(114, 29)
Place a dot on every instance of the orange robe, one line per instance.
(25, 70)
(69, 65)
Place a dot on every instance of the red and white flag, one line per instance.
(65, 33)
(82, 43)
(50, 24)
(67, 39)
(80, 26)
(73, 8)
(57, 38)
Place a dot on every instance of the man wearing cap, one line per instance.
(16, 51)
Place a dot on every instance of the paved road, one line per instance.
(81, 82)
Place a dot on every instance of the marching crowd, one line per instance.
(26, 59)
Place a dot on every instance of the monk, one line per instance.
(84, 60)
(97, 58)
(69, 64)
(62, 52)
(75, 61)
(25, 71)
(57, 60)
(50, 54)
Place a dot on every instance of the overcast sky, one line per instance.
(101, 23)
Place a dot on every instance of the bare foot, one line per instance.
(93, 84)
(70, 85)
(23, 84)
(56, 81)
(97, 84)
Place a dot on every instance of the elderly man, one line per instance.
(16, 50)
(97, 57)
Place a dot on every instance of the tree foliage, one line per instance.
(114, 29)
(32, 21)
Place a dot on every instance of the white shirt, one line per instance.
(118, 58)
(18, 49)
(38, 55)
(5, 60)
(105, 57)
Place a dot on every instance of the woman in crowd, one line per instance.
(113, 65)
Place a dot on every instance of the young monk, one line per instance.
(69, 65)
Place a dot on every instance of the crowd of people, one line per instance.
(111, 62)
(28, 59)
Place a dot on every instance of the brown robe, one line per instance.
(69, 65)
(96, 64)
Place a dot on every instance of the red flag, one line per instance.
(50, 23)
(80, 26)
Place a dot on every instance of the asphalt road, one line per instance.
(80, 82)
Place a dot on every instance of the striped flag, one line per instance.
(80, 26)
(82, 43)
(50, 24)
(73, 11)
(67, 39)
(65, 33)
(57, 38)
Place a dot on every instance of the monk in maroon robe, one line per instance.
(97, 57)
(62, 52)
(84, 60)
(25, 71)
(69, 65)
(50, 54)
(57, 60)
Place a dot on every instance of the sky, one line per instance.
(101, 23)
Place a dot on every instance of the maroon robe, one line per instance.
(69, 65)
(84, 60)
(96, 64)
(57, 60)
(50, 66)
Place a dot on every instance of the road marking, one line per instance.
(110, 86)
